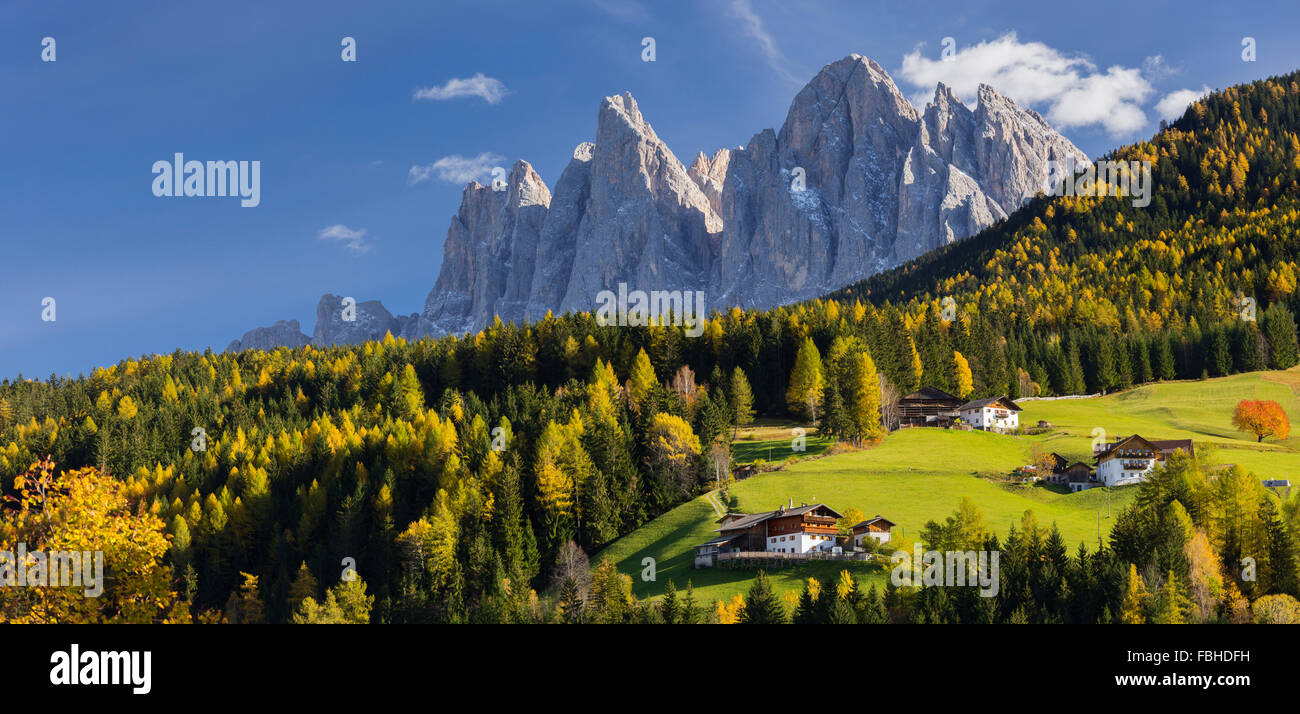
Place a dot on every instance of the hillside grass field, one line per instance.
(917, 475)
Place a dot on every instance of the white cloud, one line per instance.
(1070, 89)
(1175, 103)
(456, 168)
(490, 90)
(752, 25)
(1156, 68)
(354, 241)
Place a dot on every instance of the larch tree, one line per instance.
(642, 379)
(804, 395)
(866, 399)
(961, 376)
(1134, 605)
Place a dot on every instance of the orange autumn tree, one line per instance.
(1261, 418)
(85, 510)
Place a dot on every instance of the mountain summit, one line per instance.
(857, 181)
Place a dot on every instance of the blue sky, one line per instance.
(133, 83)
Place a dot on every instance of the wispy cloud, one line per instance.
(353, 241)
(488, 89)
(751, 25)
(456, 168)
(1175, 103)
(1072, 90)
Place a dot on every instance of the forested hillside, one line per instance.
(269, 469)
(1093, 293)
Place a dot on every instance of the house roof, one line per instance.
(1171, 445)
(981, 403)
(1079, 472)
(1059, 463)
(720, 540)
(1165, 447)
(753, 519)
(869, 521)
(931, 394)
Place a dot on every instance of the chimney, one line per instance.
(791, 502)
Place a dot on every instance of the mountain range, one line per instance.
(856, 181)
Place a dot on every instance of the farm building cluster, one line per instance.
(790, 532)
(1124, 461)
(928, 406)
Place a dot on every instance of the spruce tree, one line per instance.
(762, 606)
(669, 609)
(742, 399)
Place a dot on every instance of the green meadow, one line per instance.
(917, 475)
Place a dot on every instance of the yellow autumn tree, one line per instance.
(126, 408)
(1132, 609)
(85, 512)
(674, 452)
(642, 379)
(961, 376)
(804, 395)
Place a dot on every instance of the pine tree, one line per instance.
(873, 608)
(669, 609)
(742, 398)
(1164, 359)
(1279, 327)
(1220, 359)
(1172, 606)
(804, 610)
(570, 607)
(304, 586)
(762, 606)
(689, 614)
(842, 613)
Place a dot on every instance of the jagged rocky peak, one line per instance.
(709, 173)
(628, 150)
(490, 253)
(558, 243)
(857, 180)
(1013, 147)
(645, 220)
(347, 322)
(286, 333)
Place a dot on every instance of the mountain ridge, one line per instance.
(856, 181)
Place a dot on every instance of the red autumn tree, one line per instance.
(1261, 418)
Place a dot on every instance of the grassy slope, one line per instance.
(1201, 411)
(917, 475)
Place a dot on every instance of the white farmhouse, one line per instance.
(998, 414)
(1131, 459)
(877, 528)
